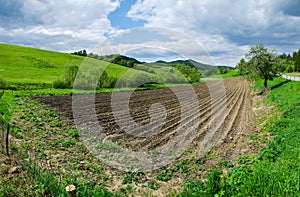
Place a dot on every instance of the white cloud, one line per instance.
(228, 26)
(79, 24)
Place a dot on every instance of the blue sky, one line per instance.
(224, 30)
(119, 19)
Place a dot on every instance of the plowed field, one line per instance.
(153, 117)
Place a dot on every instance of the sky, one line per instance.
(209, 31)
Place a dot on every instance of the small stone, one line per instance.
(13, 170)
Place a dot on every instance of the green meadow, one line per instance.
(28, 68)
(23, 65)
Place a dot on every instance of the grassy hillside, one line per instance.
(29, 68)
(28, 65)
(22, 64)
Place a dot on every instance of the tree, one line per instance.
(2, 83)
(297, 61)
(70, 74)
(261, 64)
(241, 67)
(84, 53)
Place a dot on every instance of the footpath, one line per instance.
(293, 78)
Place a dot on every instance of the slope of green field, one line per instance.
(23, 64)
(28, 65)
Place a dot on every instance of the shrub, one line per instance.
(213, 184)
(106, 81)
(60, 84)
(68, 77)
(70, 74)
(132, 79)
(2, 83)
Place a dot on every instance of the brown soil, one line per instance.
(238, 116)
(227, 141)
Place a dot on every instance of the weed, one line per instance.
(13, 148)
(211, 155)
(68, 143)
(127, 190)
(225, 164)
(253, 137)
(193, 188)
(165, 175)
(182, 166)
(132, 177)
(214, 182)
(153, 185)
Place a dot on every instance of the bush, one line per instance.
(191, 74)
(68, 77)
(2, 83)
(60, 84)
(106, 81)
(132, 79)
(70, 74)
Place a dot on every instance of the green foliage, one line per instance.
(49, 186)
(153, 185)
(27, 65)
(60, 84)
(223, 70)
(116, 59)
(164, 175)
(80, 53)
(182, 166)
(289, 66)
(70, 73)
(134, 79)
(106, 81)
(213, 184)
(212, 187)
(193, 188)
(260, 65)
(225, 163)
(276, 170)
(297, 61)
(211, 72)
(68, 77)
(241, 67)
(2, 83)
(190, 73)
(132, 177)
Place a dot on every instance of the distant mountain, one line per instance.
(131, 62)
(190, 63)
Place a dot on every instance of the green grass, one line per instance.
(296, 74)
(276, 170)
(258, 85)
(230, 74)
(44, 183)
(23, 64)
(28, 66)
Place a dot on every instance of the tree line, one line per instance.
(291, 62)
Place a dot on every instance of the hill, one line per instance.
(29, 68)
(23, 65)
